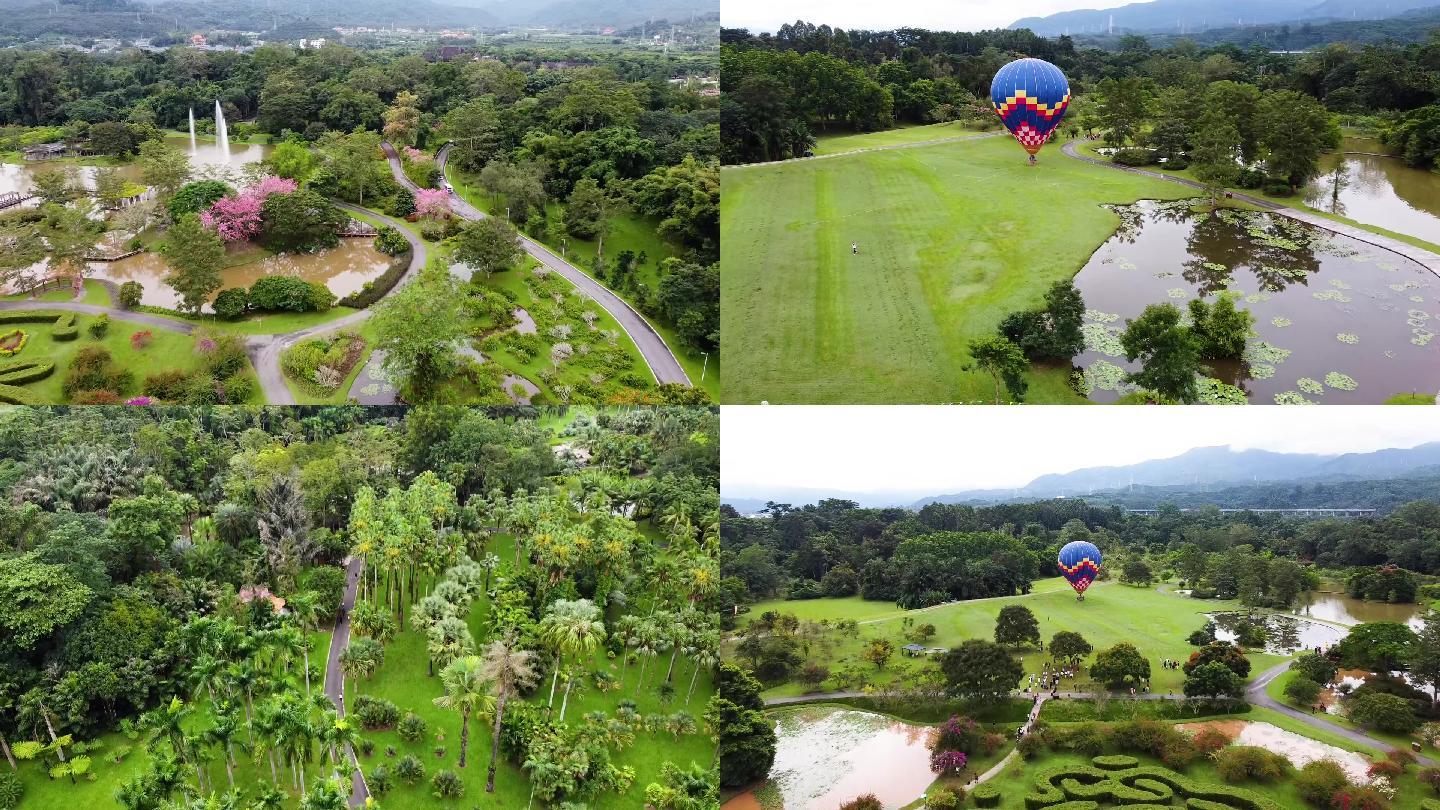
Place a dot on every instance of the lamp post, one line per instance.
(704, 366)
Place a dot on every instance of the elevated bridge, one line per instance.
(1316, 511)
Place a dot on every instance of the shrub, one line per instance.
(12, 790)
(230, 305)
(192, 198)
(66, 327)
(1247, 762)
(1250, 178)
(142, 339)
(201, 390)
(367, 746)
(1276, 187)
(99, 326)
(166, 385)
(1385, 768)
(238, 389)
(411, 728)
(92, 370)
(1210, 739)
(866, 802)
(130, 293)
(1133, 157)
(390, 241)
(95, 398)
(290, 294)
(1029, 746)
(381, 779)
(1384, 712)
(1318, 781)
(945, 798)
(223, 355)
(409, 769)
(986, 796)
(1302, 691)
(447, 784)
(1115, 762)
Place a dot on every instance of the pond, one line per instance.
(207, 160)
(1344, 609)
(1378, 190)
(1283, 634)
(344, 269)
(1337, 321)
(826, 756)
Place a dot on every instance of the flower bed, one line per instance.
(12, 342)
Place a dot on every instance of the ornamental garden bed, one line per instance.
(12, 342)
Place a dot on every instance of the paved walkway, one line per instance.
(653, 349)
(1425, 258)
(335, 679)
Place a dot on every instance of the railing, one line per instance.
(13, 198)
(48, 284)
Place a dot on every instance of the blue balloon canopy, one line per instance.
(1080, 564)
(1030, 96)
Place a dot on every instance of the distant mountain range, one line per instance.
(585, 13)
(1200, 468)
(1188, 16)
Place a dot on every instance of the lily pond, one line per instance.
(1337, 320)
(827, 756)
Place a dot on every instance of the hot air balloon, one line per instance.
(1080, 563)
(1030, 96)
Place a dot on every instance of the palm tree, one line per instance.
(326, 794)
(448, 640)
(466, 691)
(488, 564)
(338, 733)
(267, 725)
(223, 736)
(570, 628)
(705, 650)
(649, 639)
(204, 674)
(242, 676)
(288, 642)
(509, 670)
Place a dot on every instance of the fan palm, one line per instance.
(466, 691)
(510, 670)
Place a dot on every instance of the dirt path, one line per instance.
(335, 679)
(653, 349)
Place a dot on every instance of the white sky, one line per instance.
(938, 449)
(937, 15)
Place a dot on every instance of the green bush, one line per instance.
(1276, 187)
(167, 385)
(409, 769)
(390, 241)
(1115, 762)
(1250, 178)
(447, 785)
(375, 713)
(222, 355)
(290, 294)
(231, 304)
(411, 728)
(192, 198)
(99, 326)
(986, 796)
(1240, 763)
(381, 780)
(92, 370)
(130, 294)
(1430, 804)
(12, 790)
(65, 328)
(238, 389)
(1133, 157)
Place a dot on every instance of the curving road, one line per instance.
(335, 679)
(652, 346)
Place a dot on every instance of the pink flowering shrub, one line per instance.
(140, 401)
(141, 339)
(948, 763)
(205, 345)
(238, 218)
(432, 202)
(415, 155)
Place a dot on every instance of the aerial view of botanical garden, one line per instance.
(1231, 648)
(1197, 222)
(443, 219)
(332, 606)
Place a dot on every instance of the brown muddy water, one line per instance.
(207, 160)
(1337, 321)
(1343, 609)
(1283, 634)
(343, 269)
(1378, 190)
(827, 756)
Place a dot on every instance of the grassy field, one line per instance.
(835, 144)
(627, 232)
(404, 679)
(952, 238)
(167, 350)
(1276, 690)
(1156, 623)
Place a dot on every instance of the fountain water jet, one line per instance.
(192, 130)
(222, 132)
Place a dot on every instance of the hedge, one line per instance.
(18, 372)
(986, 796)
(1430, 804)
(1058, 786)
(379, 288)
(1115, 762)
(65, 326)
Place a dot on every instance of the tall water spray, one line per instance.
(192, 130)
(222, 132)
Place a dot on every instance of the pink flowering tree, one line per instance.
(948, 763)
(238, 218)
(432, 202)
(415, 155)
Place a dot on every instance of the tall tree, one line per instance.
(1002, 360)
(194, 253)
(510, 670)
(1169, 354)
(420, 329)
(466, 692)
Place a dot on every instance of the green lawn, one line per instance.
(627, 232)
(404, 679)
(952, 238)
(1156, 623)
(167, 350)
(853, 607)
(835, 144)
(1276, 690)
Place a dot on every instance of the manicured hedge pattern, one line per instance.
(1115, 762)
(65, 325)
(1430, 804)
(986, 796)
(1060, 786)
(18, 372)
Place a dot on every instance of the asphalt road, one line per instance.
(335, 679)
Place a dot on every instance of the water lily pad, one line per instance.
(1281, 321)
(1260, 352)
(1102, 339)
(1214, 392)
(1103, 375)
(1291, 398)
(1310, 385)
(1331, 295)
(1348, 337)
(1339, 285)
(1341, 382)
(1176, 292)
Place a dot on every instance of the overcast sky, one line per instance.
(937, 15)
(931, 450)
